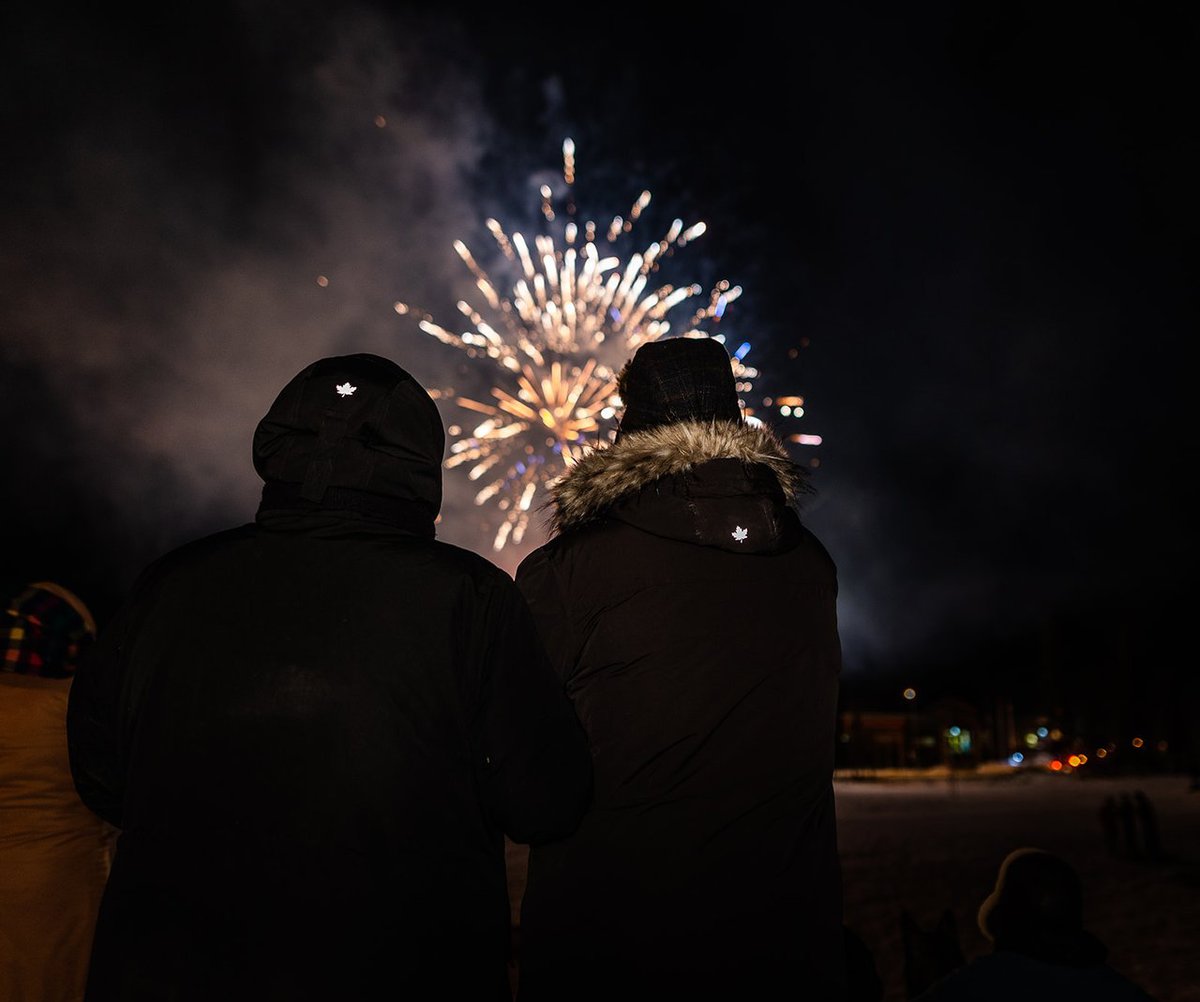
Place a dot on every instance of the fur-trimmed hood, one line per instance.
(719, 471)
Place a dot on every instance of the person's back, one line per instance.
(326, 723)
(693, 619)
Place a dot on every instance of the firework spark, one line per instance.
(558, 339)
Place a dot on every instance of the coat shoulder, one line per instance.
(471, 564)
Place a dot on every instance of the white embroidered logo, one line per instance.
(740, 534)
(345, 389)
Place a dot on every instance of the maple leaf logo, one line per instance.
(345, 389)
(740, 534)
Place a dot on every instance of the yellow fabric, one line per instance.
(55, 854)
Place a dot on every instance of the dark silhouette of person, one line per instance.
(1110, 825)
(1040, 945)
(1148, 824)
(692, 617)
(315, 730)
(1129, 827)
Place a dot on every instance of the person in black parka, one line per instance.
(314, 731)
(692, 617)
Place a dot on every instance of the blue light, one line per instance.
(520, 467)
(720, 310)
(615, 314)
(955, 731)
(1016, 758)
(742, 351)
(1042, 732)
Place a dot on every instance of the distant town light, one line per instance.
(1101, 753)
(955, 731)
(1016, 758)
(1056, 765)
(910, 693)
(1042, 732)
(1137, 742)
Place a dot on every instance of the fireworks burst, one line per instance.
(558, 339)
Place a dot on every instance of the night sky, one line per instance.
(969, 225)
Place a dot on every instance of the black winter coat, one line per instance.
(314, 732)
(692, 618)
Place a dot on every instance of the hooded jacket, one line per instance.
(315, 730)
(692, 619)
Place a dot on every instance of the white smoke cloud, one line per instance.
(168, 305)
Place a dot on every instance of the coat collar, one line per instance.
(635, 460)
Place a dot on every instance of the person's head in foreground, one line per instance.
(679, 379)
(682, 418)
(1037, 909)
(356, 434)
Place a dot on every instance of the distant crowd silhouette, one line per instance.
(1129, 823)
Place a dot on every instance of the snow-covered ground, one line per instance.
(927, 846)
(930, 846)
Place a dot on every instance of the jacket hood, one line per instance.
(724, 484)
(353, 433)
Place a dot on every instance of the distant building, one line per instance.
(873, 740)
(947, 732)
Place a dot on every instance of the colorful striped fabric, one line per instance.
(44, 631)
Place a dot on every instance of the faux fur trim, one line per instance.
(605, 475)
